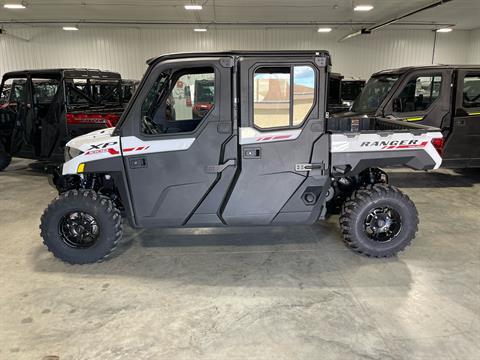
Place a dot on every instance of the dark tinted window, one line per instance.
(471, 91)
(420, 92)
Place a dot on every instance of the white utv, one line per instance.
(263, 153)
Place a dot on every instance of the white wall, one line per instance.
(126, 49)
(474, 47)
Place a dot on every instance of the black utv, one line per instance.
(41, 110)
(260, 155)
(442, 96)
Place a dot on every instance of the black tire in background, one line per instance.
(96, 209)
(396, 225)
(5, 158)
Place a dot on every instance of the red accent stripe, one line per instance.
(112, 151)
(128, 149)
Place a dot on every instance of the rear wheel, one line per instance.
(378, 221)
(81, 226)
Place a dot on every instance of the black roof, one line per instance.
(321, 53)
(67, 73)
(405, 69)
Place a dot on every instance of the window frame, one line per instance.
(176, 73)
(416, 76)
(290, 65)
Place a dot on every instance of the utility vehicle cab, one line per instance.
(43, 109)
(443, 96)
(260, 154)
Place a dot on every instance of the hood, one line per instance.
(94, 136)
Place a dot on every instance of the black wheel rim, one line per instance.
(383, 224)
(79, 229)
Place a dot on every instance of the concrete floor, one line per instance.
(245, 293)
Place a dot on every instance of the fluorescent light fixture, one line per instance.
(15, 6)
(193, 7)
(324, 30)
(444, 30)
(363, 8)
(200, 30)
(70, 28)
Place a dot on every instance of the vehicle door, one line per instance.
(17, 114)
(283, 102)
(47, 112)
(424, 96)
(463, 138)
(180, 163)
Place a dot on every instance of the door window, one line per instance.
(419, 93)
(178, 102)
(471, 91)
(282, 96)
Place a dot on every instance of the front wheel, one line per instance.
(378, 221)
(81, 226)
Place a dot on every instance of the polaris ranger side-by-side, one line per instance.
(442, 96)
(261, 155)
(43, 109)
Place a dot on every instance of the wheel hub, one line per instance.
(382, 224)
(79, 229)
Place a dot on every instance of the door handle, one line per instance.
(252, 153)
(138, 162)
(214, 169)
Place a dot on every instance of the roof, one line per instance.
(68, 73)
(405, 69)
(243, 53)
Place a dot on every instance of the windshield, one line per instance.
(374, 93)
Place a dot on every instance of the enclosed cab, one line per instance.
(334, 102)
(443, 96)
(43, 109)
(263, 154)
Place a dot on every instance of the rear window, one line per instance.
(471, 91)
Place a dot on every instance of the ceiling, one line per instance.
(338, 14)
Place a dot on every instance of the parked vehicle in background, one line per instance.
(262, 155)
(335, 102)
(44, 109)
(351, 88)
(443, 96)
(128, 88)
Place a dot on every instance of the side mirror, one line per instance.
(397, 105)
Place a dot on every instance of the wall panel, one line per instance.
(126, 49)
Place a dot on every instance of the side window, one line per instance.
(282, 96)
(420, 92)
(44, 90)
(178, 102)
(471, 91)
(14, 91)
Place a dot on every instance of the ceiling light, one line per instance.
(444, 30)
(70, 28)
(200, 30)
(15, 6)
(324, 30)
(193, 7)
(363, 8)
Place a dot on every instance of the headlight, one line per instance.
(70, 153)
